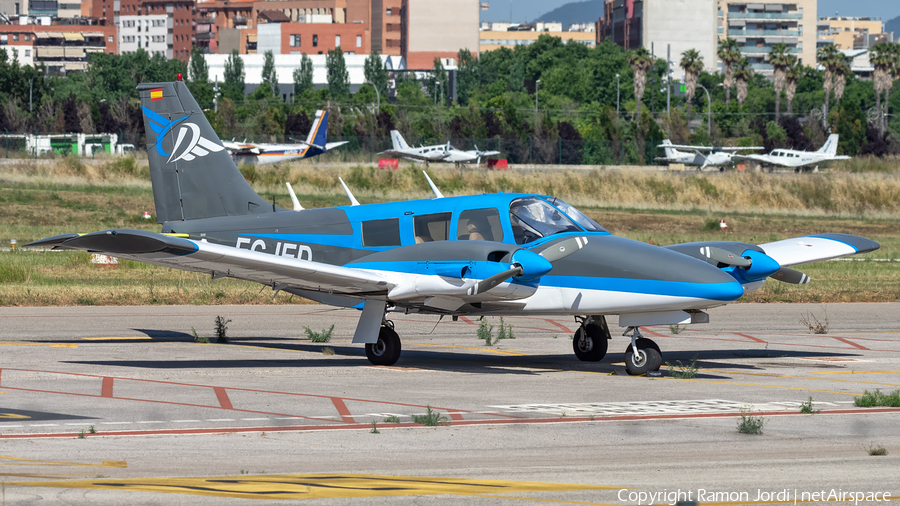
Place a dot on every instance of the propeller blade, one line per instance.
(722, 256)
(488, 283)
(563, 249)
(790, 276)
(478, 161)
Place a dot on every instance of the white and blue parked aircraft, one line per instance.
(260, 153)
(437, 153)
(494, 254)
(702, 156)
(795, 159)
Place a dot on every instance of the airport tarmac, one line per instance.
(270, 416)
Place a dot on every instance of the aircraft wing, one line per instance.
(411, 156)
(815, 248)
(738, 148)
(331, 145)
(488, 153)
(224, 261)
(683, 146)
(241, 147)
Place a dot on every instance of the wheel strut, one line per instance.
(635, 335)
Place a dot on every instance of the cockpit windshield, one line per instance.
(579, 217)
(533, 218)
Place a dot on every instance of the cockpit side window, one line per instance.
(479, 225)
(431, 227)
(533, 218)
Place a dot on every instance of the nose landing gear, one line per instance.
(386, 350)
(642, 355)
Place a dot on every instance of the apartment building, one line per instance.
(758, 25)
(179, 16)
(311, 38)
(150, 33)
(852, 33)
(432, 30)
(496, 35)
(61, 45)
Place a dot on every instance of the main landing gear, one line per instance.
(591, 342)
(386, 350)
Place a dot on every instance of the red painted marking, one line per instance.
(222, 395)
(342, 410)
(106, 389)
(758, 340)
(851, 343)
(470, 322)
(563, 327)
(455, 415)
(367, 426)
(652, 333)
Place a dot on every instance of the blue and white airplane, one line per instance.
(496, 254)
(260, 153)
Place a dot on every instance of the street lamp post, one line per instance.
(617, 95)
(536, 83)
(377, 96)
(708, 112)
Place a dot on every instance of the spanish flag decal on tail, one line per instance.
(156, 94)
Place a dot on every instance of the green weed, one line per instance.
(392, 419)
(92, 430)
(807, 408)
(749, 424)
(319, 337)
(197, 338)
(375, 428)
(221, 329)
(486, 332)
(431, 418)
(327, 351)
(675, 329)
(876, 398)
(685, 371)
(81, 434)
(876, 450)
(506, 331)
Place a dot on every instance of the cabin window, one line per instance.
(432, 227)
(479, 225)
(378, 233)
(578, 216)
(532, 218)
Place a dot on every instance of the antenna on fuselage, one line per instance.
(437, 193)
(297, 206)
(353, 201)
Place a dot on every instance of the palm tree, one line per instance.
(828, 57)
(780, 60)
(640, 61)
(729, 53)
(743, 72)
(840, 77)
(692, 63)
(883, 59)
(793, 74)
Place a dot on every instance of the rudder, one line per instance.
(192, 174)
(397, 141)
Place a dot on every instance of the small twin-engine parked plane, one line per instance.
(496, 254)
(797, 159)
(715, 156)
(437, 153)
(316, 144)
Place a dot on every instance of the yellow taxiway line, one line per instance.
(132, 338)
(18, 461)
(501, 352)
(52, 345)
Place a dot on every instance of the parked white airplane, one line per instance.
(437, 153)
(715, 156)
(316, 144)
(797, 159)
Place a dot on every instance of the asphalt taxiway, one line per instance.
(113, 405)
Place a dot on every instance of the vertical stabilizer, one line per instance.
(193, 175)
(397, 141)
(318, 134)
(830, 147)
(670, 152)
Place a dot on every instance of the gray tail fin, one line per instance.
(830, 147)
(193, 175)
(397, 141)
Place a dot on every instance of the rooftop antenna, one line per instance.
(437, 193)
(297, 206)
(353, 201)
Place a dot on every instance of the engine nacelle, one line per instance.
(762, 266)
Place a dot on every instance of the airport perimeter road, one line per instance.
(270, 416)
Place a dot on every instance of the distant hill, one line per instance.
(575, 12)
(889, 26)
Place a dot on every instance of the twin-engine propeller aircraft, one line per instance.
(316, 143)
(438, 153)
(497, 254)
(714, 156)
(798, 159)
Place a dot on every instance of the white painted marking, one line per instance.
(151, 421)
(220, 420)
(44, 425)
(681, 407)
(8, 426)
(185, 421)
(289, 418)
(249, 419)
(115, 423)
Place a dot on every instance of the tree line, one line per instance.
(544, 101)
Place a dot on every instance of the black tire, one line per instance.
(648, 360)
(590, 346)
(643, 342)
(386, 350)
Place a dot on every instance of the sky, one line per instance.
(527, 10)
